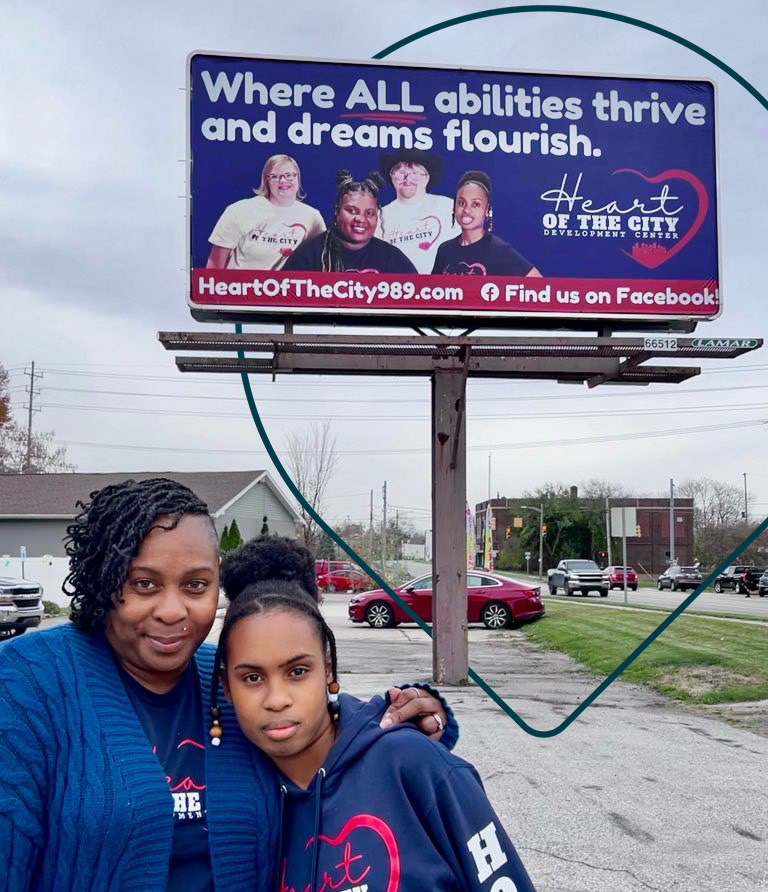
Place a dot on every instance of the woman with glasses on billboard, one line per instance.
(417, 221)
(263, 231)
(476, 251)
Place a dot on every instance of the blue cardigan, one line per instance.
(84, 804)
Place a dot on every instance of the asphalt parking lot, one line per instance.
(638, 793)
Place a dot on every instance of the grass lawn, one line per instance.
(694, 659)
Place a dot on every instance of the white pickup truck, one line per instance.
(21, 606)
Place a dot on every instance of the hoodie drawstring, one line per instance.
(316, 837)
(279, 880)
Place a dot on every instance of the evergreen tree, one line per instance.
(235, 539)
(224, 541)
(264, 526)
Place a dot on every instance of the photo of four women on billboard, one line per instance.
(417, 232)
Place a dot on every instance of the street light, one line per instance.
(540, 509)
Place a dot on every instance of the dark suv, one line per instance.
(679, 578)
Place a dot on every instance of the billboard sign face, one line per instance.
(492, 195)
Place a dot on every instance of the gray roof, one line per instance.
(56, 494)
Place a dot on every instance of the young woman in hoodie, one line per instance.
(363, 809)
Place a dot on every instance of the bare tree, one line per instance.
(311, 462)
(45, 456)
(714, 503)
(595, 488)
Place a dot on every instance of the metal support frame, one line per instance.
(450, 658)
(448, 361)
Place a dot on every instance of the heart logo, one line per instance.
(351, 869)
(427, 225)
(293, 226)
(653, 255)
(470, 269)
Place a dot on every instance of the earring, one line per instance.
(215, 731)
(334, 706)
(490, 219)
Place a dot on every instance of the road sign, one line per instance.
(630, 522)
(528, 555)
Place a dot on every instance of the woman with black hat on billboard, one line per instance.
(417, 221)
(477, 251)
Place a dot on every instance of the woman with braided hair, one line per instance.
(110, 781)
(349, 244)
(361, 807)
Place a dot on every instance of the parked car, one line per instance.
(762, 584)
(343, 581)
(325, 566)
(616, 577)
(743, 578)
(495, 601)
(679, 578)
(573, 575)
(21, 606)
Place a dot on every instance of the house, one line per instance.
(35, 509)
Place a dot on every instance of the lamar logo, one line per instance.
(728, 343)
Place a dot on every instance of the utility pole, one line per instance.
(746, 500)
(489, 476)
(370, 530)
(672, 561)
(31, 394)
(608, 531)
(384, 534)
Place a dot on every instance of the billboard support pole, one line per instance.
(450, 657)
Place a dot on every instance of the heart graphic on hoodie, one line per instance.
(354, 867)
(651, 255)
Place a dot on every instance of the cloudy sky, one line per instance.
(92, 147)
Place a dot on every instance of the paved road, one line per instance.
(707, 602)
(636, 794)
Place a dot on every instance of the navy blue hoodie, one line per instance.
(391, 811)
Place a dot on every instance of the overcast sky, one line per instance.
(92, 143)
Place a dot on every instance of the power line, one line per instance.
(527, 416)
(642, 435)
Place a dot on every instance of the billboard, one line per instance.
(350, 191)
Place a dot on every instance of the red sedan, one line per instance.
(616, 577)
(495, 601)
(342, 581)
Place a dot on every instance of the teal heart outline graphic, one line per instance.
(534, 732)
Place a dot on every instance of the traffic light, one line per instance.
(507, 532)
(638, 532)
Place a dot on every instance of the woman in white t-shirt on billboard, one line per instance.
(263, 231)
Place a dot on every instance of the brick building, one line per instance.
(648, 553)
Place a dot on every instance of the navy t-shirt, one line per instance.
(490, 256)
(173, 723)
(376, 257)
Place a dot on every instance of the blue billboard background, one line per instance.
(672, 132)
